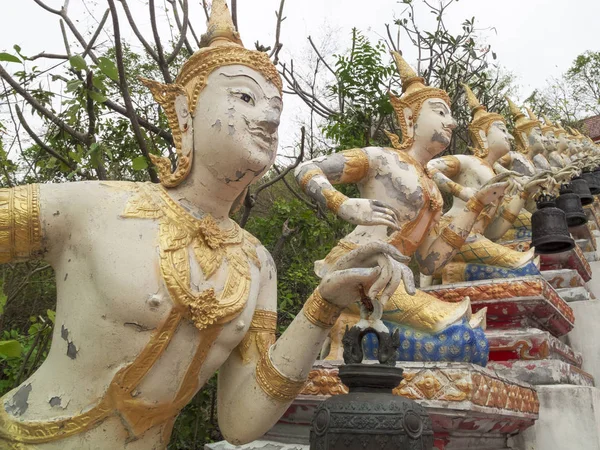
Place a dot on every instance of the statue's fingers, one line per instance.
(409, 280)
(364, 254)
(394, 281)
(383, 279)
(385, 219)
(388, 211)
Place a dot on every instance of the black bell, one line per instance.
(549, 230)
(580, 187)
(592, 182)
(570, 203)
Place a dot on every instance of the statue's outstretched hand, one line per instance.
(374, 270)
(491, 192)
(362, 211)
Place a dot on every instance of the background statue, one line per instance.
(158, 288)
(462, 176)
(401, 204)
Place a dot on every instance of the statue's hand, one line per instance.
(374, 270)
(491, 192)
(362, 211)
(534, 186)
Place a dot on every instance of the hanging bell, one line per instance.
(591, 181)
(549, 230)
(570, 203)
(580, 187)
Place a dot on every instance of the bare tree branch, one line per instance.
(96, 33)
(47, 148)
(125, 91)
(183, 31)
(278, 45)
(136, 31)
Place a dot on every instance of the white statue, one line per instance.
(158, 288)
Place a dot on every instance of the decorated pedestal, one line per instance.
(471, 407)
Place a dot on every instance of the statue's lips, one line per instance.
(263, 138)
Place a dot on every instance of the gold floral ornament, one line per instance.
(482, 121)
(415, 93)
(220, 46)
(522, 125)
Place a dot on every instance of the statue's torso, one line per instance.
(111, 298)
(400, 182)
(521, 164)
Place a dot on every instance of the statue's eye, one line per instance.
(245, 97)
(442, 113)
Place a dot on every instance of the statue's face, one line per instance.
(433, 128)
(551, 142)
(535, 140)
(235, 124)
(498, 139)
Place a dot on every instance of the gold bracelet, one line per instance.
(320, 312)
(20, 223)
(260, 335)
(524, 195)
(275, 384)
(456, 189)
(452, 238)
(309, 176)
(475, 205)
(508, 216)
(334, 199)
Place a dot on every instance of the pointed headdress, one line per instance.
(548, 126)
(414, 93)
(482, 121)
(522, 125)
(220, 46)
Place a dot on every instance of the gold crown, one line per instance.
(522, 125)
(414, 93)
(220, 46)
(482, 121)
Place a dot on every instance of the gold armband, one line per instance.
(309, 175)
(356, 165)
(320, 312)
(20, 223)
(524, 195)
(334, 199)
(452, 238)
(456, 189)
(260, 335)
(508, 216)
(275, 384)
(475, 205)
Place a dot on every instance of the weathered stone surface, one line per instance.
(569, 420)
(256, 445)
(525, 302)
(583, 338)
(578, 294)
(563, 278)
(528, 345)
(543, 372)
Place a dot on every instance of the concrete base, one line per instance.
(550, 371)
(569, 420)
(584, 337)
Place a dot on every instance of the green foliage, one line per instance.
(363, 80)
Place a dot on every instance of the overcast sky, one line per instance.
(534, 39)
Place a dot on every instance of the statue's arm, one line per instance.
(541, 163)
(259, 380)
(443, 242)
(507, 215)
(350, 166)
(504, 164)
(442, 170)
(316, 177)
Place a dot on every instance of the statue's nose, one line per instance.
(270, 121)
(453, 124)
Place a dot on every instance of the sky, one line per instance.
(534, 39)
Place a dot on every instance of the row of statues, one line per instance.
(158, 288)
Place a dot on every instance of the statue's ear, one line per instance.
(185, 122)
(484, 138)
(410, 121)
